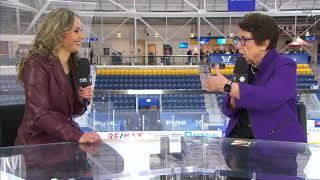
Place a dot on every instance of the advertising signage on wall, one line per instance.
(226, 59)
(138, 135)
(231, 58)
(92, 39)
(241, 5)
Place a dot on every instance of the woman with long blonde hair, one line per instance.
(49, 76)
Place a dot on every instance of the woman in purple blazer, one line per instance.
(49, 76)
(265, 107)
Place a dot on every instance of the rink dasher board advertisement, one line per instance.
(125, 135)
(313, 130)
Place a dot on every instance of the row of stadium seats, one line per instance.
(309, 76)
(305, 77)
(183, 105)
(9, 83)
(182, 95)
(116, 101)
(147, 71)
(306, 85)
(183, 99)
(123, 106)
(117, 82)
(147, 78)
(303, 66)
(228, 70)
(170, 101)
(133, 85)
(310, 81)
(11, 99)
(303, 69)
(223, 71)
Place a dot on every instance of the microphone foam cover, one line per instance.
(241, 66)
(84, 68)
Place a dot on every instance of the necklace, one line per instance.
(253, 72)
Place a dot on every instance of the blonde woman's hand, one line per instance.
(90, 137)
(86, 93)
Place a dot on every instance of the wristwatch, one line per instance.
(227, 87)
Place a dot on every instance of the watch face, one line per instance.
(227, 88)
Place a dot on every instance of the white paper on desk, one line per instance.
(240, 142)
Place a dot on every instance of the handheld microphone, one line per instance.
(240, 72)
(84, 76)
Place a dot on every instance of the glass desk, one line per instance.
(158, 157)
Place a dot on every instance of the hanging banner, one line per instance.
(223, 58)
(298, 58)
(241, 5)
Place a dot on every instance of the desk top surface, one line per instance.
(157, 157)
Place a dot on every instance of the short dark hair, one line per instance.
(262, 27)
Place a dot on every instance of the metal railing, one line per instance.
(151, 60)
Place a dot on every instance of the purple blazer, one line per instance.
(271, 101)
(50, 103)
(268, 160)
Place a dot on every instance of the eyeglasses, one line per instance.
(242, 40)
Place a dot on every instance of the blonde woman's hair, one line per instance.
(49, 36)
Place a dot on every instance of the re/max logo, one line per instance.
(124, 135)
